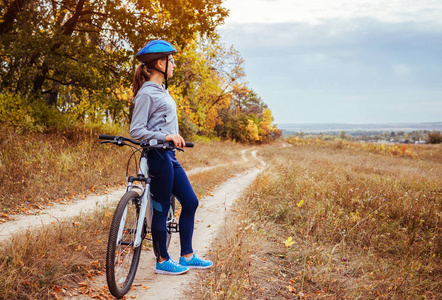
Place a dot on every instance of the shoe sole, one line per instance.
(170, 273)
(199, 267)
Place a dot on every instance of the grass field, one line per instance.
(334, 221)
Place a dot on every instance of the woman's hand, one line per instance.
(176, 139)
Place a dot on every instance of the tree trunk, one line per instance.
(68, 29)
(11, 15)
(40, 78)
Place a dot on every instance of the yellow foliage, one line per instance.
(252, 131)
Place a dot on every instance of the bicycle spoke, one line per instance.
(123, 260)
(123, 257)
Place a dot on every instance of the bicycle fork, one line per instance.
(145, 204)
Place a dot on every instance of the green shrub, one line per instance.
(30, 115)
(15, 111)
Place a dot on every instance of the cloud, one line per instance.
(319, 11)
(327, 67)
(359, 43)
(335, 36)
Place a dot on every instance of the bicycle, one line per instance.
(133, 217)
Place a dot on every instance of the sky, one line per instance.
(341, 61)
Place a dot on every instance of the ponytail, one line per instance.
(140, 77)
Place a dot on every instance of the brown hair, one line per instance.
(142, 74)
(140, 77)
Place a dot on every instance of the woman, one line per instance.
(155, 117)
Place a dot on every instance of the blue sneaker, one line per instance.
(170, 267)
(195, 262)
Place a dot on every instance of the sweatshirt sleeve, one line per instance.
(144, 108)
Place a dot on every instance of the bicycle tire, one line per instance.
(170, 217)
(122, 258)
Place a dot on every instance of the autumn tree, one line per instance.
(434, 137)
(204, 84)
(81, 48)
(247, 119)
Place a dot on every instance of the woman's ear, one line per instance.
(160, 64)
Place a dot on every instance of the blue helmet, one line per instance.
(154, 50)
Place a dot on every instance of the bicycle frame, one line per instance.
(146, 209)
(145, 202)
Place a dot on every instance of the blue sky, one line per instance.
(341, 61)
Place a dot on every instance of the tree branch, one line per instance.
(69, 26)
(91, 12)
(85, 30)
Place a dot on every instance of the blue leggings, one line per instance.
(168, 177)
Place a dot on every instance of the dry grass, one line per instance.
(58, 259)
(37, 169)
(210, 154)
(204, 182)
(364, 225)
(39, 264)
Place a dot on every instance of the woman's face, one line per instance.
(170, 67)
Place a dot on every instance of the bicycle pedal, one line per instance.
(174, 227)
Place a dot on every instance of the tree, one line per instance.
(342, 136)
(434, 137)
(90, 45)
(10, 15)
(207, 78)
(417, 135)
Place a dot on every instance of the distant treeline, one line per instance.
(416, 136)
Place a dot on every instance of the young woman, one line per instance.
(155, 117)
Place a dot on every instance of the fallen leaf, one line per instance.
(289, 242)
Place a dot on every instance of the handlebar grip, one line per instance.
(190, 145)
(106, 137)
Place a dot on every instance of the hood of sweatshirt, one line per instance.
(154, 90)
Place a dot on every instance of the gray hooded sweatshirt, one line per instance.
(154, 114)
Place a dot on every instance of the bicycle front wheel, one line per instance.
(122, 257)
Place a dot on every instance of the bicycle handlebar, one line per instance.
(106, 137)
(120, 140)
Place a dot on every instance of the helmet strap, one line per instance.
(165, 73)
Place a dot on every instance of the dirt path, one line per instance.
(56, 213)
(210, 217)
(61, 211)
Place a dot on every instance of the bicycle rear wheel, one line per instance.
(170, 218)
(122, 257)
